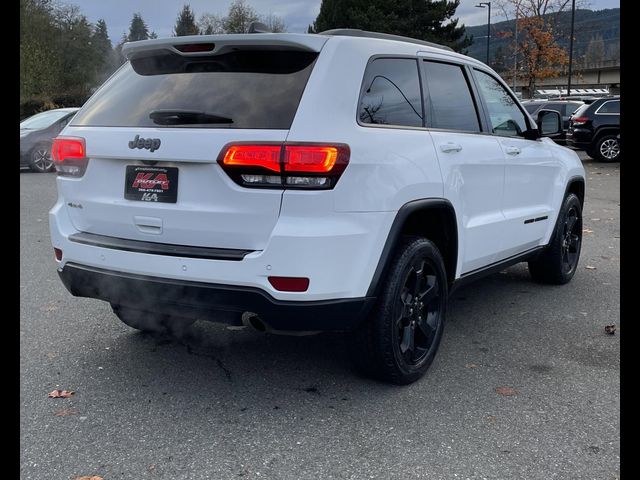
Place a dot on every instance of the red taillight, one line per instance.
(579, 120)
(311, 158)
(294, 165)
(289, 284)
(265, 156)
(58, 254)
(69, 156)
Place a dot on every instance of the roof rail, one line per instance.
(354, 32)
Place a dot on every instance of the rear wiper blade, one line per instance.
(183, 117)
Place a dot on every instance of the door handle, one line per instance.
(450, 147)
(512, 151)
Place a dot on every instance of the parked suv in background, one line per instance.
(595, 129)
(564, 108)
(341, 181)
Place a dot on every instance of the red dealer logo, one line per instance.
(147, 180)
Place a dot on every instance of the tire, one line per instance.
(151, 322)
(399, 340)
(607, 149)
(557, 264)
(40, 158)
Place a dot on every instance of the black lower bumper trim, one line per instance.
(203, 300)
(185, 251)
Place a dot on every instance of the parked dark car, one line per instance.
(564, 107)
(595, 128)
(36, 136)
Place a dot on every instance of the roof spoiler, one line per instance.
(223, 43)
(354, 32)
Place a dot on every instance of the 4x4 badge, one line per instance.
(150, 144)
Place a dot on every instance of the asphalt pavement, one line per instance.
(525, 385)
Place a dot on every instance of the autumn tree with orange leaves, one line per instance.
(541, 56)
(538, 53)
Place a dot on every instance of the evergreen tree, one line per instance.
(104, 51)
(137, 29)
(430, 20)
(186, 23)
(100, 38)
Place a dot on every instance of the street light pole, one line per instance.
(573, 14)
(515, 49)
(482, 5)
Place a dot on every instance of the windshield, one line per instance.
(43, 120)
(243, 89)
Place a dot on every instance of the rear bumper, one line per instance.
(203, 300)
(579, 138)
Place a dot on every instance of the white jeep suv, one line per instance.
(341, 181)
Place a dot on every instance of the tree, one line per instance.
(595, 50)
(239, 17)
(76, 53)
(137, 29)
(103, 49)
(431, 20)
(39, 69)
(274, 23)
(210, 24)
(186, 23)
(538, 33)
(541, 54)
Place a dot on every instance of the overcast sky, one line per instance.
(160, 15)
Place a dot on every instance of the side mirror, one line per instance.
(549, 123)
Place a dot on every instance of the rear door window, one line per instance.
(610, 107)
(241, 89)
(391, 93)
(449, 103)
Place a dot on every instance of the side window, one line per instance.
(505, 115)
(556, 107)
(610, 107)
(449, 104)
(391, 93)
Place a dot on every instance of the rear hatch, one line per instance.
(154, 131)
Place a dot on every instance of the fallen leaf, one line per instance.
(595, 219)
(89, 477)
(61, 394)
(491, 418)
(506, 391)
(51, 355)
(471, 365)
(586, 230)
(590, 267)
(610, 329)
(65, 412)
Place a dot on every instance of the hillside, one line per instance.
(588, 25)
